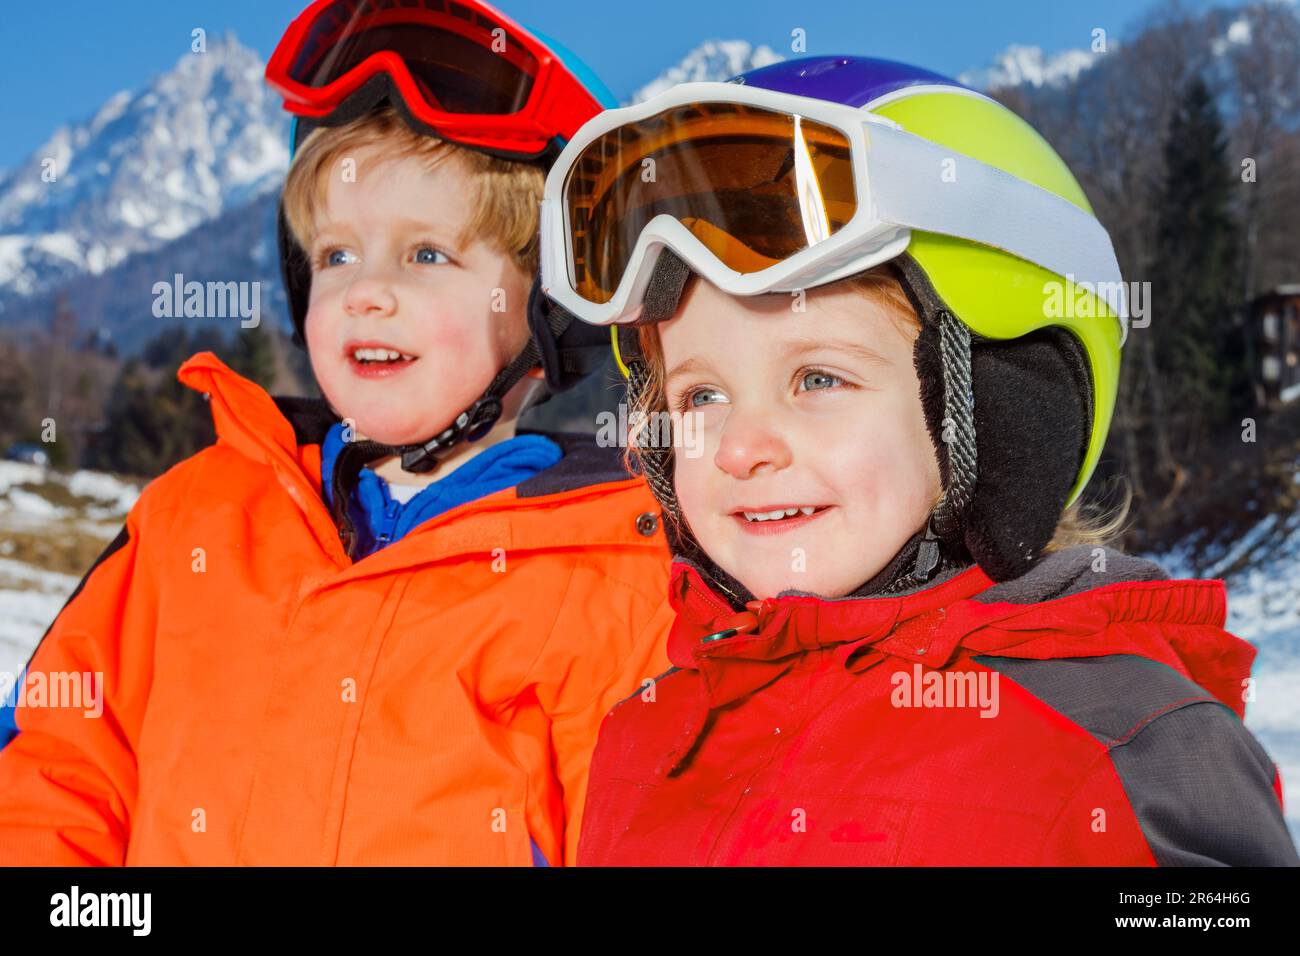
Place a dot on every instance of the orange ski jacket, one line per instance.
(267, 701)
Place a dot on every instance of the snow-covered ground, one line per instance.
(84, 511)
(1264, 609)
(51, 527)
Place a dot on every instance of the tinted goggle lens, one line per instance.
(755, 186)
(462, 60)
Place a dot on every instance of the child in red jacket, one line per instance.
(898, 641)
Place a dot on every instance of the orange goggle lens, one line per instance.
(755, 186)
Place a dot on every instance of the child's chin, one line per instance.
(399, 436)
(770, 585)
(404, 422)
(392, 431)
(766, 583)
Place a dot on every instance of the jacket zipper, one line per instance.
(389, 526)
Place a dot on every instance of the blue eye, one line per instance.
(427, 255)
(697, 397)
(817, 381)
(710, 396)
(339, 257)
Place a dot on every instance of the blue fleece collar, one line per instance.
(380, 519)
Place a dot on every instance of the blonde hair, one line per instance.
(1079, 524)
(506, 194)
(1090, 524)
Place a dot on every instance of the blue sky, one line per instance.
(60, 61)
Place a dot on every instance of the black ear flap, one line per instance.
(1032, 409)
(569, 350)
(1033, 418)
(295, 273)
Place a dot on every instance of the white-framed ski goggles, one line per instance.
(759, 191)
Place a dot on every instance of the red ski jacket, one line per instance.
(1069, 717)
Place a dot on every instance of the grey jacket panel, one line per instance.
(1198, 781)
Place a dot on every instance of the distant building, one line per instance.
(1275, 319)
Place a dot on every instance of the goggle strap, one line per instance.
(984, 204)
(664, 291)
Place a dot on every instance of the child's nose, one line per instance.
(369, 295)
(748, 445)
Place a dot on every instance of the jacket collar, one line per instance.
(1178, 623)
(737, 654)
(776, 629)
(248, 421)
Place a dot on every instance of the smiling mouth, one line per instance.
(780, 514)
(378, 356)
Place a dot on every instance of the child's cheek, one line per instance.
(685, 479)
(890, 474)
(448, 328)
(691, 477)
(316, 325)
(323, 350)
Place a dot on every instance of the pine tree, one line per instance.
(252, 354)
(1198, 360)
(153, 421)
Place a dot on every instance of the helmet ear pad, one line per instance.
(1032, 399)
(1033, 416)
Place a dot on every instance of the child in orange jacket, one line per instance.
(331, 638)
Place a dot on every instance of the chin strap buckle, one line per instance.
(927, 555)
(470, 425)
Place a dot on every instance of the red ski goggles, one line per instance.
(462, 68)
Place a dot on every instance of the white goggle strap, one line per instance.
(920, 185)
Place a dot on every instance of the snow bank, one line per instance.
(116, 493)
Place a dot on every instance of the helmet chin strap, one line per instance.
(469, 426)
(944, 523)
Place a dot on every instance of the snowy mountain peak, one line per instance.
(710, 61)
(113, 107)
(225, 65)
(201, 138)
(1029, 66)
